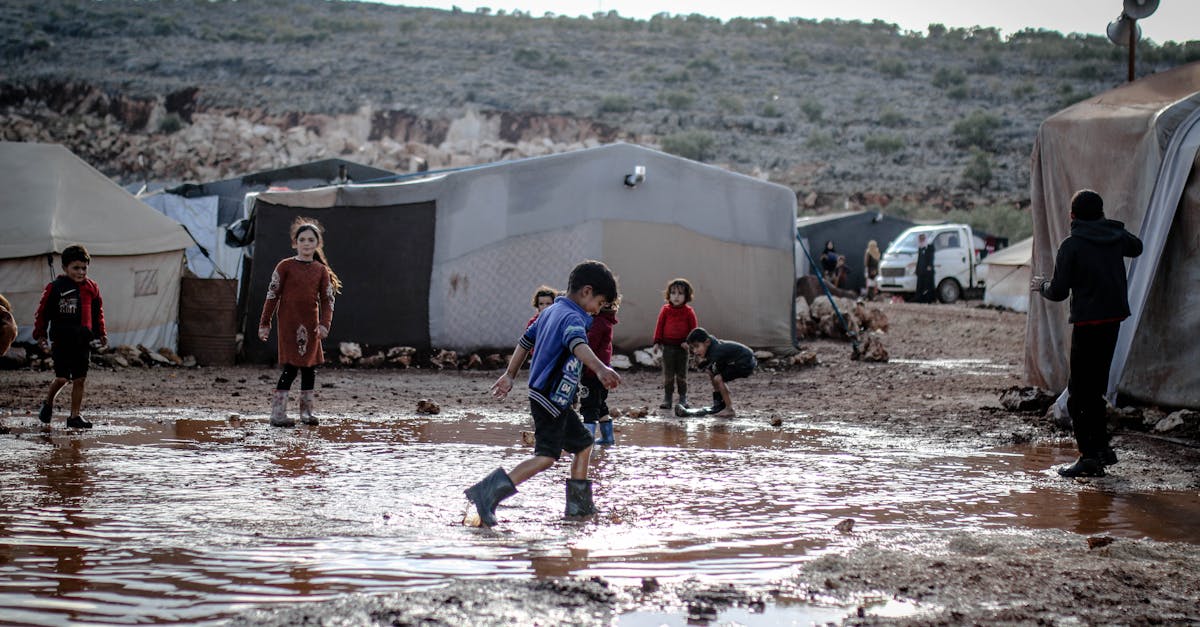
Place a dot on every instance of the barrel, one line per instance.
(208, 320)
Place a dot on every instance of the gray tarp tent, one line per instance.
(54, 199)
(451, 260)
(1137, 146)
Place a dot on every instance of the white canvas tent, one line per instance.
(1137, 146)
(1008, 276)
(451, 260)
(53, 200)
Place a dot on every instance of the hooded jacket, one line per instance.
(1090, 268)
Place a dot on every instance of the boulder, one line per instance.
(170, 355)
(1026, 399)
(871, 348)
(621, 362)
(350, 350)
(444, 359)
(647, 357)
(426, 406)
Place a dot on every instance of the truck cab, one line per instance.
(955, 262)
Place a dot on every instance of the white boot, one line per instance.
(279, 417)
(306, 407)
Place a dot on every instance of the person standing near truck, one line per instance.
(925, 252)
(1090, 268)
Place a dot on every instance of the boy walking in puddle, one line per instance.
(560, 335)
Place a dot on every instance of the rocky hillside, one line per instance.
(842, 112)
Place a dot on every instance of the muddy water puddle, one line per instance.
(172, 516)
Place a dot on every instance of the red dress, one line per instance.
(302, 294)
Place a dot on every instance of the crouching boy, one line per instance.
(560, 335)
(724, 361)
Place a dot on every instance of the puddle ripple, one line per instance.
(173, 517)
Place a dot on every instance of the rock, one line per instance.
(473, 361)
(621, 362)
(1096, 542)
(636, 412)
(846, 526)
(1026, 399)
(444, 359)
(776, 421)
(373, 361)
(646, 357)
(170, 355)
(764, 355)
(495, 360)
(527, 438)
(426, 406)
(402, 355)
(804, 358)
(350, 350)
(871, 348)
(1170, 422)
(189, 361)
(615, 412)
(15, 357)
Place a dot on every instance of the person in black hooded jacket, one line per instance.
(1090, 268)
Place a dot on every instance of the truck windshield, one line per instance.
(906, 244)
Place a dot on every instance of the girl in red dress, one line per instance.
(301, 294)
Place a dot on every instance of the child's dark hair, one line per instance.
(688, 292)
(1087, 205)
(74, 253)
(698, 335)
(302, 224)
(543, 290)
(595, 274)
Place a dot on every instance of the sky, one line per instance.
(1175, 20)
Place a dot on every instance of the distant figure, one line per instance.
(1090, 268)
(828, 261)
(841, 274)
(725, 361)
(543, 297)
(675, 320)
(871, 269)
(68, 323)
(8, 325)
(925, 258)
(560, 333)
(594, 402)
(302, 292)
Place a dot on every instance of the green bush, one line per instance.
(819, 140)
(978, 172)
(944, 78)
(812, 110)
(958, 92)
(694, 145)
(677, 100)
(892, 118)
(616, 104)
(884, 144)
(796, 61)
(893, 68)
(170, 123)
(771, 110)
(730, 104)
(976, 130)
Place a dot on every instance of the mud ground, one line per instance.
(948, 366)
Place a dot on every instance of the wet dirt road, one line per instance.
(171, 515)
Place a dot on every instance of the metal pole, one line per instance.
(1132, 43)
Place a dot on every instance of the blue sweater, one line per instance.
(554, 372)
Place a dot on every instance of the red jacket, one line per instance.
(67, 303)
(674, 324)
(600, 338)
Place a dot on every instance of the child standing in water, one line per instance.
(74, 312)
(302, 291)
(594, 402)
(675, 320)
(560, 335)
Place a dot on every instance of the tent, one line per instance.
(1007, 276)
(54, 200)
(1137, 146)
(850, 231)
(450, 260)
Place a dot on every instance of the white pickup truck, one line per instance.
(955, 262)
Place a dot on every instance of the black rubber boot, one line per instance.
(667, 404)
(1108, 456)
(488, 493)
(46, 413)
(1083, 467)
(718, 403)
(77, 422)
(683, 393)
(579, 498)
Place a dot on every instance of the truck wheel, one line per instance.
(949, 291)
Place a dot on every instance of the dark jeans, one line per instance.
(674, 368)
(308, 377)
(593, 402)
(1092, 347)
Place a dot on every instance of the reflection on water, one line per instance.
(175, 517)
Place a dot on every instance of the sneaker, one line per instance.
(46, 412)
(1108, 456)
(1083, 467)
(77, 422)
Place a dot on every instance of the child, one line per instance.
(302, 289)
(725, 361)
(675, 320)
(543, 297)
(594, 404)
(560, 333)
(74, 312)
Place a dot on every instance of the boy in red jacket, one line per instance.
(72, 312)
(675, 320)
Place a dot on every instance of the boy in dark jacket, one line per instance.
(69, 319)
(1090, 268)
(724, 361)
(593, 402)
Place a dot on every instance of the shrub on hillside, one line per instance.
(694, 145)
(976, 130)
(884, 144)
(978, 172)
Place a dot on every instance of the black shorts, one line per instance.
(71, 353)
(554, 434)
(732, 372)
